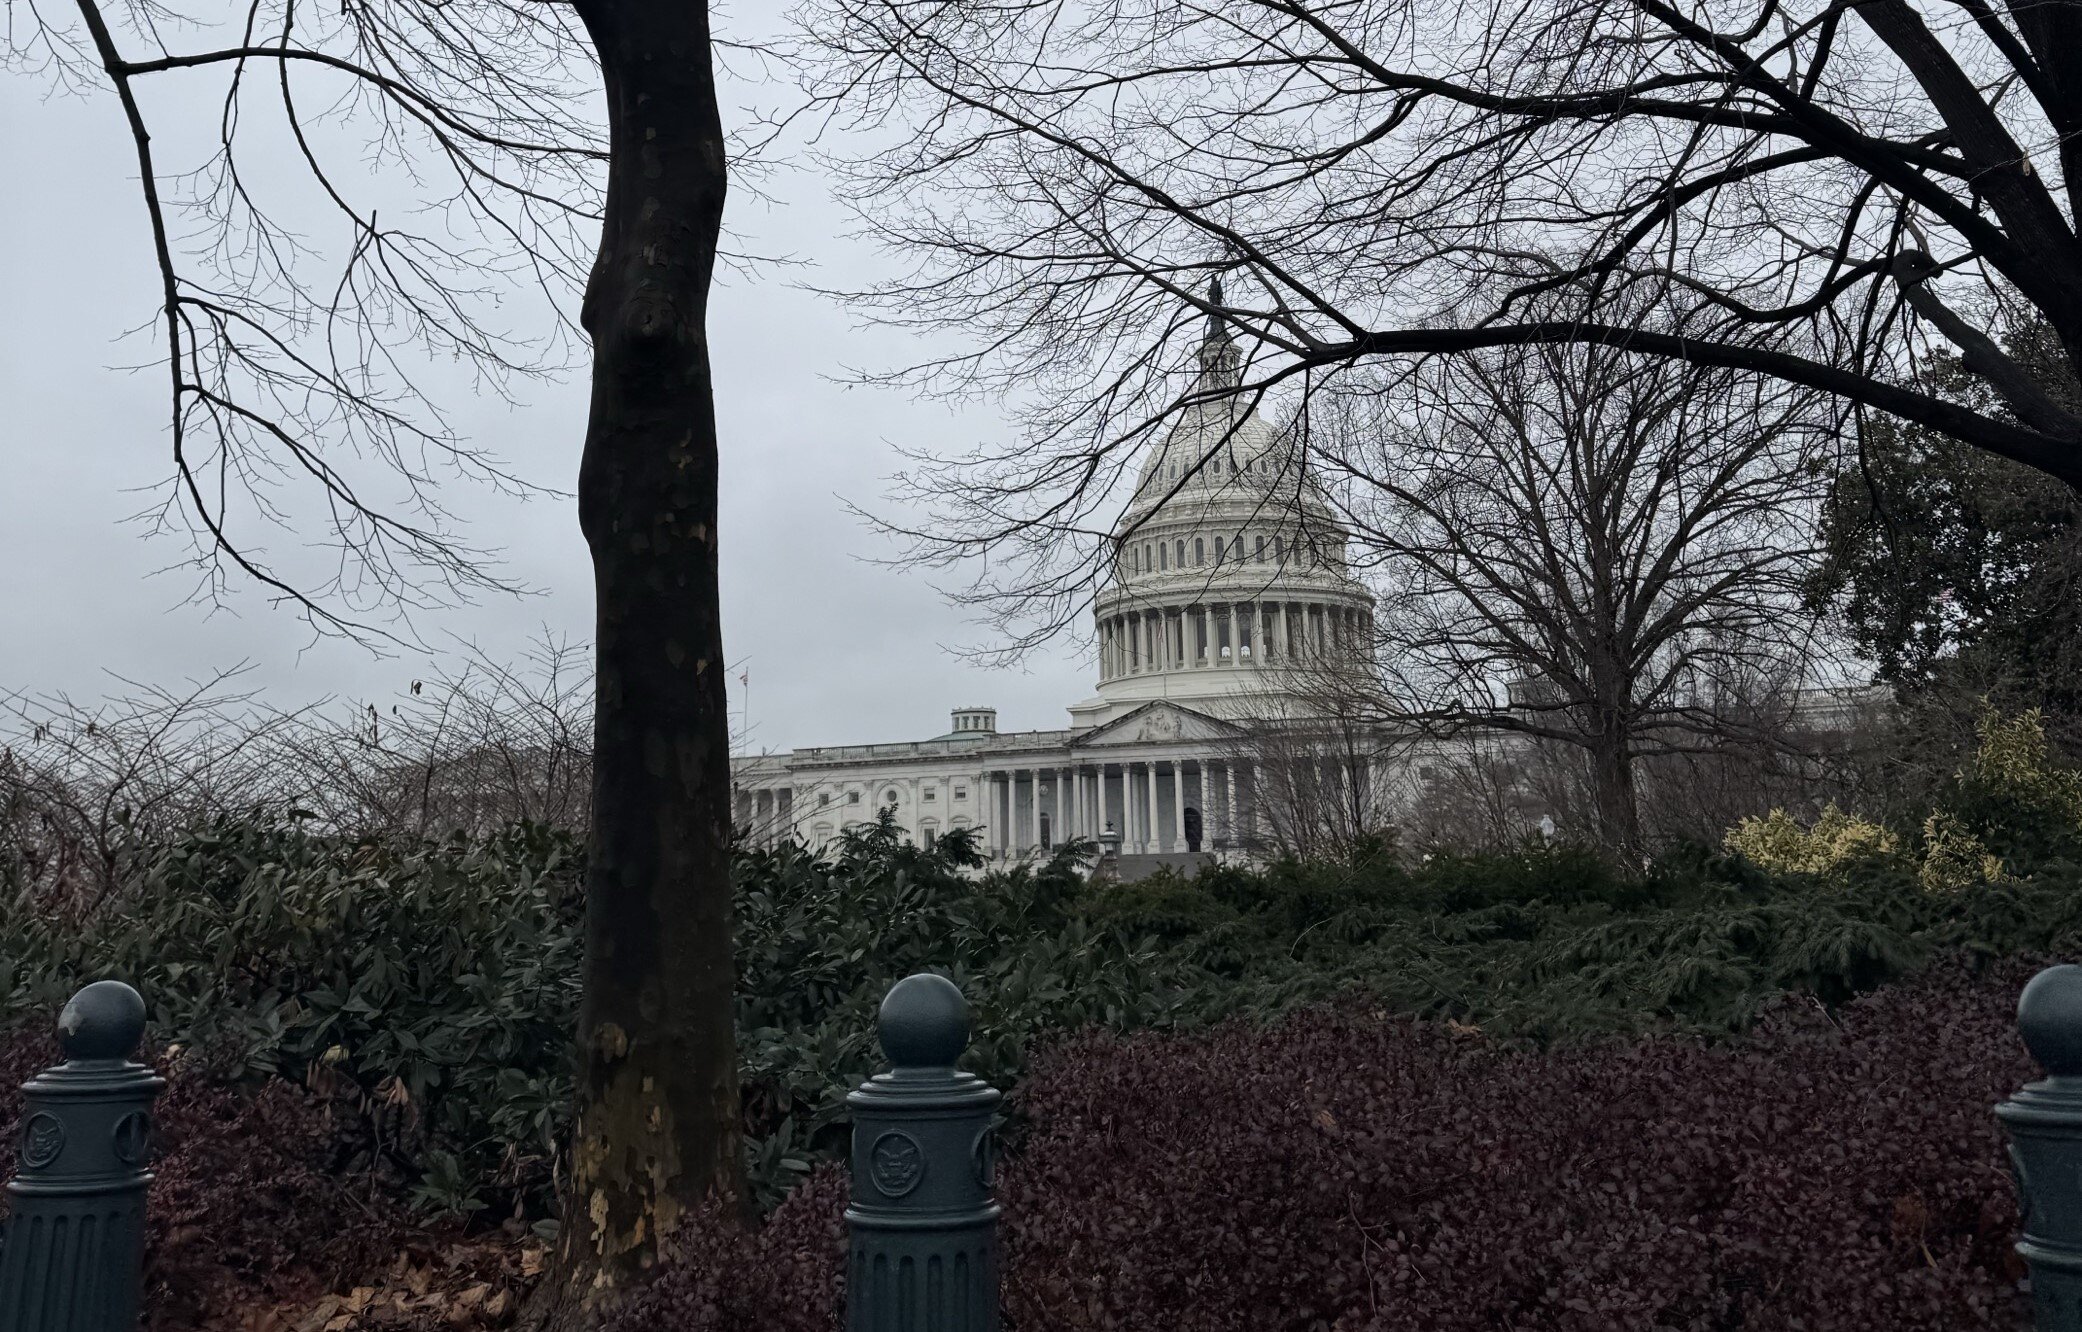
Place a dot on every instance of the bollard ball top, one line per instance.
(924, 1022)
(103, 1021)
(2049, 1015)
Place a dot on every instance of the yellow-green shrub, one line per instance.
(1778, 842)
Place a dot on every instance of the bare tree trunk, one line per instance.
(658, 1114)
(1612, 790)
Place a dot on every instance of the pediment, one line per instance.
(1156, 722)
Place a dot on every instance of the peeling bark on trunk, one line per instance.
(658, 1110)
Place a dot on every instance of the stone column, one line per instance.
(1231, 825)
(1025, 825)
(1248, 804)
(1178, 805)
(1008, 836)
(1131, 810)
(1154, 829)
(1206, 656)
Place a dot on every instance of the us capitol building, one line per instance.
(1229, 585)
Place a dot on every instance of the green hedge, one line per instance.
(432, 988)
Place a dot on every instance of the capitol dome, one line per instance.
(1229, 570)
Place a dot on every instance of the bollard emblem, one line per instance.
(43, 1137)
(896, 1164)
(984, 1156)
(133, 1137)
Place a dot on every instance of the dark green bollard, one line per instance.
(73, 1256)
(2045, 1126)
(923, 1225)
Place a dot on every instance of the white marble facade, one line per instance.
(1230, 573)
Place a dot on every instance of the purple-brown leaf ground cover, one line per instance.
(1340, 1169)
(1350, 1171)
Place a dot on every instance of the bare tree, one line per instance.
(446, 156)
(1581, 546)
(472, 749)
(1322, 787)
(89, 791)
(1816, 194)
(86, 789)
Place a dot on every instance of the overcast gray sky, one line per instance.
(838, 649)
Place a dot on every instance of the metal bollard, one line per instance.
(73, 1260)
(2044, 1122)
(922, 1225)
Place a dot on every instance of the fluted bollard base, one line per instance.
(949, 1281)
(923, 1224)
(2056, 1297)
(72, 1260)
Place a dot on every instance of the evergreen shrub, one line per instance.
(424, 992)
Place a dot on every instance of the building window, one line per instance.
(1181, 552)
(1277, 557)
(961, 793)
(1199, 551)
(1261, 550)
(852, 797)
(930, 794)
(823, 799)
(889, 796)
(1163, 560)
